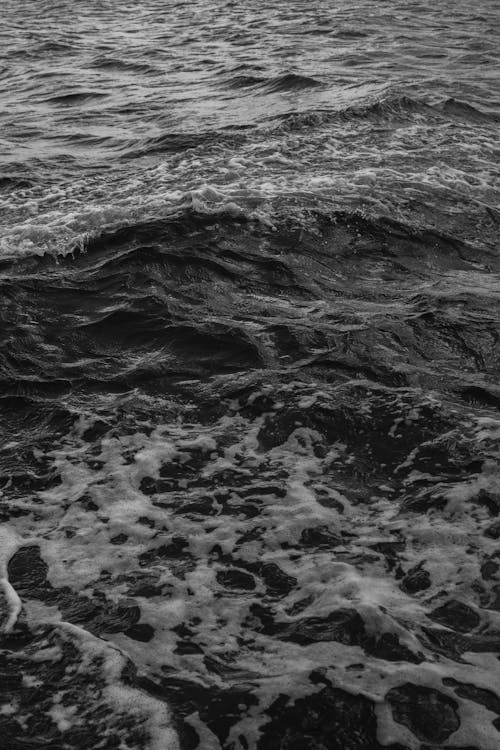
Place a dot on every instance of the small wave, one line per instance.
(388, 107)
(168, 143)
(9, 182)
(177, 142)
(76, 97)
(244, 81)
(290, 82)
(350, 34)
(463, 110)
(274, 84)
(401, 107)
(115, 63)
(96, 141)
(54, 46)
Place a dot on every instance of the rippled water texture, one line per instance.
(114, 112)
(249, 394)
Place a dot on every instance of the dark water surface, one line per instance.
(249, 392)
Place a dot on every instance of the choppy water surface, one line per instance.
(249, 356)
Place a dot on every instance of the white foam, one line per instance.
(154, 714)
(346, 576)
(339, 166)
(9, 544)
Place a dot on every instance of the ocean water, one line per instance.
(249, 375)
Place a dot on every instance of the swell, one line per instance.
(189, 223)
(334, 297)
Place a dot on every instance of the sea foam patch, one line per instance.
(240, 555)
